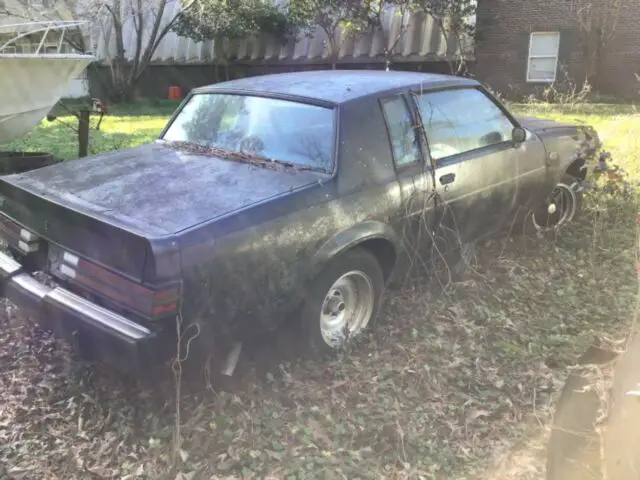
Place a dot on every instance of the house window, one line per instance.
(543, 57)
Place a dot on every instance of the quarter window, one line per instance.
(402, 134)
(462, 120)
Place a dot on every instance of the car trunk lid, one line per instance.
(108, 243)
(109, 208)
(157, 190)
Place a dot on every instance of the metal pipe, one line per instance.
(44, 37)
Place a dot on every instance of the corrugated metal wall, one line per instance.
(422, 41)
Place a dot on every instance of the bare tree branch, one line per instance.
(598, 22)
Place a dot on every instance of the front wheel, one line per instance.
(561, 207)
(342, 301)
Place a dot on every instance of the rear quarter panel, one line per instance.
(248, 272)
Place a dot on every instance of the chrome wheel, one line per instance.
(347, 308)
(559, 209)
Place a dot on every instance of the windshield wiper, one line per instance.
(244, 157)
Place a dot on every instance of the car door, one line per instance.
(475, 160)
(532, 183)
(413, 174)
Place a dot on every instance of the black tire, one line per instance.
(568, 209)
(354, 260)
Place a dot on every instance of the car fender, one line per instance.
(352, 237)
(569, 150)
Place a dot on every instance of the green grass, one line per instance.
(125, 126)
(442, 389)
(617, 125)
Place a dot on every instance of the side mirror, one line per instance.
(518, 135)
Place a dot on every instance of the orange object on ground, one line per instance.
(175, 93)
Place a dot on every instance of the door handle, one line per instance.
(448, 178)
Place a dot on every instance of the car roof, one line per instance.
(336, 86)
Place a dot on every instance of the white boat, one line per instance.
(32, 83)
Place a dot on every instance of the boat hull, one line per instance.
(30, 85)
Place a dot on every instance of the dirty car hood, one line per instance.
(157, 187)
(536, 124)
(542, 126)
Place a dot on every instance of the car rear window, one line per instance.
(288, 131)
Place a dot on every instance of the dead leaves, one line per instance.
(441, 385)
(244, 157)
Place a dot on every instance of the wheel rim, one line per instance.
(558, 210)
(347, 308)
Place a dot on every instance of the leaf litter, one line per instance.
(448, 383)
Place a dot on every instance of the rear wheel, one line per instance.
(342, 302)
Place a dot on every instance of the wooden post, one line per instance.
(83, 132)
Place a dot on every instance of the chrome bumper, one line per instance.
(97, 331)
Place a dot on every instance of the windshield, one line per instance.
(285, 131)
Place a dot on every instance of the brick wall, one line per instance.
(504, 28)
(621, 61)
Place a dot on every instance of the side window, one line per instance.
(402, 135)
(458, 121)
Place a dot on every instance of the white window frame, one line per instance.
(533, 57)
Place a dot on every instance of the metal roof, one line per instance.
(336, 86)
(422, 41)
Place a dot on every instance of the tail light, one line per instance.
(18, 237)
(149, 302)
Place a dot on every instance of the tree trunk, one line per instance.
(122, 84)
(592, 54)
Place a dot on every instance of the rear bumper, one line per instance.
(100, 334)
